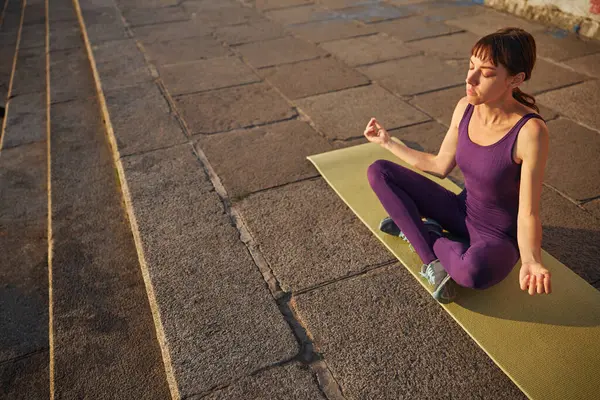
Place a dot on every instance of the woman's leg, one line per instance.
(479, 266)
(406, 196)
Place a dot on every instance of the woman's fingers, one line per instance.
(532, 285)
(547, 285)
(524, 282)
(540, 283)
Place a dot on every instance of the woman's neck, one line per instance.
(497, 111)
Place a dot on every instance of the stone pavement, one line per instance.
(262, 283)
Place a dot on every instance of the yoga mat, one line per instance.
(548, 345)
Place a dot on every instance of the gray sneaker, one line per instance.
(444, 288)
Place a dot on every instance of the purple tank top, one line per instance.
(492, 178)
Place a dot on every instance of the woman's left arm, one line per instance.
(533, 150)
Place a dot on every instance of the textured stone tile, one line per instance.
(142, 119)
(26, 378)
(339, 4)
(547, 76)
(477, 19)
(344, 114)
(26, 120)
(23, 175)
(323, 31)
(300, 15)
(312, 77)
(120, 63)
(132, 4)
(334, 241)
(209, 74)
(186, 50)
(579, 102)
(457, 45)
(433, 73)
(104, 24)
(264, 157)
(247, 33)
(70, 75)
(570, 234)
(229, 14)
(415, 28)
(265, 5)
(558, 45)
(233, 108)
(31, 36)
(291, 381)
(368, 49)
(211, 292)
(587, 64)
(375, 12)
(30, 73)
(65, 35)
(278, 51)
(150, 16)
(413, 337)
(593, 207)
(170, 31)
(573, 163)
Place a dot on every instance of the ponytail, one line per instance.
(525, 98)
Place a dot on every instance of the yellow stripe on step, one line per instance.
(549, 345)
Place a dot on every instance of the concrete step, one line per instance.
(24, 312)
(103, 337)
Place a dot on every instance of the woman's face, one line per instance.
(486, 82)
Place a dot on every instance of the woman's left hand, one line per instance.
(535, 278)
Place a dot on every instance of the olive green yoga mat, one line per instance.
(549, 345)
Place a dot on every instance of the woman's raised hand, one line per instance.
(376, 133)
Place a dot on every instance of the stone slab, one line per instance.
(233, 14)
(36, 14)
(570, 234)
(208, 289)
(99, 297)
(26, 120)
(449, 10)
(26, 378)
(248, 33)
(593, 207)
(490, 21)
(120, 63)
(414, 336)
(70, 75)
(233, 108)
(339, 4)
(434, 74)
(24, 292)
(151, 16)
(170, 31)
(369, 49)
(318, 32)
(457, 45)
(441, 104)
(415, 28)
(129, 4)
(345, 114)
(335, 244)
(250, 160)
(375, 12)
(312, 77)
(209, 74)
(290, 381)
(142, 119)
(33, 36)
(65, 35)
(265, 5)
(579, 102)
(560, 46)
(103, 24)
(589, 65)
(573, 165)
(301, 15)
(30, 73)
(278, 51)
(185, 50)
(23, 176)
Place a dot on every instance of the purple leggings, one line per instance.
(406, 196)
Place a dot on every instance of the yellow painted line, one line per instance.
(12, 73)
(3, 12)
(49, 184)
(160, 334)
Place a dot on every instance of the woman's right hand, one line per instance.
(375, 133)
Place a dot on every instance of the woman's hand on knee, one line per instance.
(376, 133)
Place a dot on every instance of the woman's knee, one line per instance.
(487, 266)
(377, 171)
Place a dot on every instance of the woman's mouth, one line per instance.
(470, 92)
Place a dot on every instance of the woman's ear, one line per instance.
(517, 79)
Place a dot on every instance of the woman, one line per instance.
(501, 146)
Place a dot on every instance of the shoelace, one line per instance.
(429, 273)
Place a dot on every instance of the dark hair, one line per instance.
(515, 49)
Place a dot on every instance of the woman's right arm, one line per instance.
(443, 163)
